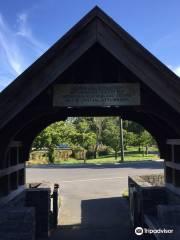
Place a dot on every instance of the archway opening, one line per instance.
(93, 140)
(84, 156)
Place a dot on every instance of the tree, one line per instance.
(129, 138)
(55, 134)
(86, 137)
(110, 134)
(97, 127)
(137, 129)
(146, 140)
(89, 133)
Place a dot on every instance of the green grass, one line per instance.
(100, 160)
(131, 154)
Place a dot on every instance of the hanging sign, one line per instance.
(96, 95)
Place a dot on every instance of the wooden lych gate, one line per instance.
(96, 54)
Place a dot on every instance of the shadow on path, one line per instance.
(101, 219)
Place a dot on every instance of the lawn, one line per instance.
(131, 154)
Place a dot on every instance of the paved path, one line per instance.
(92, 207)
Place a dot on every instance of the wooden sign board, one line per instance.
(96, 95)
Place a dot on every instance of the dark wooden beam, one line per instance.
(9, 170)
(11, 195)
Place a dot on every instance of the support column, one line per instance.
(121, 139)
(172, 166)
(12, 175)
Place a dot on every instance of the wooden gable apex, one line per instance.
(96, 26)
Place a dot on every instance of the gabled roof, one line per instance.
(96, 26)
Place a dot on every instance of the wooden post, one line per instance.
(121, 139)
(55, 205)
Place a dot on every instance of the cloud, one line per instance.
(26, 32)
(1, 87)
(176, 70)
(18, 48)
(9, 49)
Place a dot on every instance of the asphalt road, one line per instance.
(91, 196)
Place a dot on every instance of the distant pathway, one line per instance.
(92, 207)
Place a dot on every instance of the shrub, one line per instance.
(63, 154)
(104, 150)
